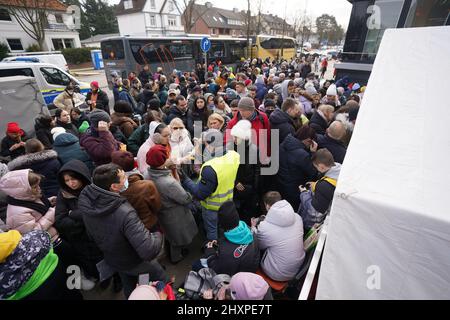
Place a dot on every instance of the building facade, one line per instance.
(60, 32)
(368, 21)
(272, 25)
(217, 22)
(149, 17)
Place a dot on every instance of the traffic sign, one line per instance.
(205, 44)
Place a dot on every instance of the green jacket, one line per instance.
(137, 138)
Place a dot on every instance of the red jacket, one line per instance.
(261, 122)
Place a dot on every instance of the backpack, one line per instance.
(196, 283)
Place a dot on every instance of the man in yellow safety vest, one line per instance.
(216, 182)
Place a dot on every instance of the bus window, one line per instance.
(288, 43)
(112, 50)
(217, 50)
(180, 50)
(236, 52)
(27, 72)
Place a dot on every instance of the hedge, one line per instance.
(4, 50)
(77, 55)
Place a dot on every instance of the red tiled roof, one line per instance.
(49, 4)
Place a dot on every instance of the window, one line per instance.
(15, 44)
(59, 18)
(390, 11)
(153, 4)
(152, 20)
(159, 51)
(58, 44)
(128, 4)
(55, 76)
(217, 49)
(4, 15)
(428, 13)
(172, 21)
(112, 50)
(69, 43)
(27, 72)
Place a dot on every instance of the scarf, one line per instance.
(41, 208)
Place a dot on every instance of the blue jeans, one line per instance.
(210, 223)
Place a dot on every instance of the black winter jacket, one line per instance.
(283, 122)
(116, 229)
(336, 147)
(232, 258)
(296, 169)
(318, 123)
(69, 218)
(102, 100)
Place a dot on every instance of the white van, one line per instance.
(57, 59)
(50, 79)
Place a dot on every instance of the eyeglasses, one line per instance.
(177, 128)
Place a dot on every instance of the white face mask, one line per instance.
(177, 135)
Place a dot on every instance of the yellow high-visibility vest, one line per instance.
(226, 168)
(331, 181)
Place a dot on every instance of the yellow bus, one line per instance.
(264, 46)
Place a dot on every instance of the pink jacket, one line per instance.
(15, 184)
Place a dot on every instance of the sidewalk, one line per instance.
(85, 72)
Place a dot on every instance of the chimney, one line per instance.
(235, 10)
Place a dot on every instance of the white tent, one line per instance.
(389, 227)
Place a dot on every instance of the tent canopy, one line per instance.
(389, 230)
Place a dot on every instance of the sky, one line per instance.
(341, 9)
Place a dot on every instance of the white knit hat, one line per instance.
(331, 91)
(310, 89)
(56, 131)
(242, 130)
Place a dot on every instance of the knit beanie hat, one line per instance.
(13, 127)
(231, 94)
(246, 103)
(331, 91)
(248, 286)
(153, 104)
(156, 156)
(124, 159)
(310, 89)
(56, 131)
(228, 216)
(98, 115)
(242, 130)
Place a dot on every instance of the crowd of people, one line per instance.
(114, 191)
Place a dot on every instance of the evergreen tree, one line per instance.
(100, 17)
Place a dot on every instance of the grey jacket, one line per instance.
(281, 234)
(116, 229)
(175, 217)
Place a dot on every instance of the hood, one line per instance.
(334, 171)
(65, 139)
(118, 118)
(291, 143)
(155, 173)
(148, 94)
(38, 124)
(279, 117)
(240, 235)
(31, 158)
(79, 168)
(8, 242)
(281, 214)
(94, 201)
(15, 184)
(152, 127)
(134, 175)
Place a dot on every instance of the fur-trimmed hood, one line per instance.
(27, 160)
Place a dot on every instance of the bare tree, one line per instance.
(31, 15)
(190, 15)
